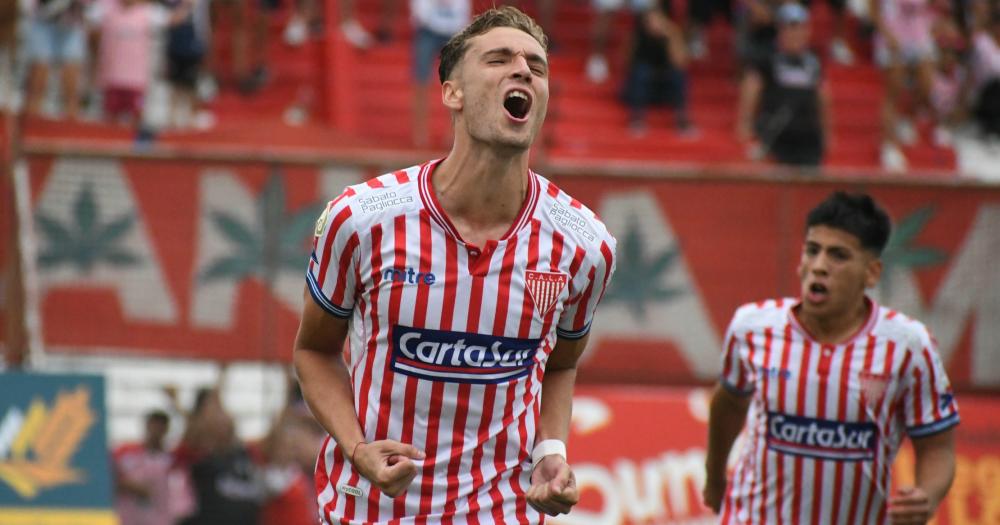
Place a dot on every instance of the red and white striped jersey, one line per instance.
(448, 341)
(826, 420)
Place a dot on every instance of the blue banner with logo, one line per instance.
(54, 462)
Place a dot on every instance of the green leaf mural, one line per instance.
(900, 251)
(638, 278)
(275, 243)
(84, 242)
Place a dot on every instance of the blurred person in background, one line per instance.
(658, 69)
(756, 30)
(287, 458)
(226, 483)
(185, 54)
(699, 15)
(950, 85)
(784, 107)
(904, 45)
(128, 29)
(463, 302)
(839, 47)
(833, 382)
(597, 67)
(56, 38)
(986, 72)
(356, 34)
(143, 475)
(434, 21)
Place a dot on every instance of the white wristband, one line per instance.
(547, 448)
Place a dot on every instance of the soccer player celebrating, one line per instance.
(834, 381)
(466, 288)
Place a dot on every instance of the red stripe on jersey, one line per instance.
(419, 321)
(838, 476)
(385, 396)
(891, 314)
(606, 252)
(395, 305)
(727, 364)
(823, 369)
(932, 384)
(780, 476)
(345, 263)
(575, 203)
(447, 316)
(375, 183)
(338, 221)
(800, 409)
(852, 504)
(581, 311)
(338, 469)
(918, 404)
(553, 190)
(880, 470)
(768, 336)
(402, 177)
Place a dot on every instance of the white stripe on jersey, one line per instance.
(448, 346)
(817, 451)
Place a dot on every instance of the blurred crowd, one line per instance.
(210, 477)
(940, 60)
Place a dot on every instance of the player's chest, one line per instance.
(859, 380)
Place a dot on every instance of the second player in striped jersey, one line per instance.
(833, 383)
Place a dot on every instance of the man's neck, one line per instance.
(835, 329)
(481, 190)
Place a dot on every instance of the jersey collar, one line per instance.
(437, 213)
(865, 328)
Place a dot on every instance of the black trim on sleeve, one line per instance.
(735, 391)
(323, 302)
(934, 427)
(573, 335)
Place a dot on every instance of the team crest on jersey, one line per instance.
(544, 288)
(872, 387)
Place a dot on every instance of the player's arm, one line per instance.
(727, 414)
(935, 470)
(553, 489)
(326, 388)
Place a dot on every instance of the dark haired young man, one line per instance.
(467, 286)
(833, 382)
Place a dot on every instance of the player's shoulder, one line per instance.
(902, 329)
(570, 217)
(388, 195)
(761, 314)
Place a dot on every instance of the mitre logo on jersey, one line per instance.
(821, 438)
(544, 288)
(461, 357)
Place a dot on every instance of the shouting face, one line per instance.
(834, 272)
(499, 92)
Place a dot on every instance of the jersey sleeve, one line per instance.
(929, 405)
(331, 274)
(737, 374)
(590, 282)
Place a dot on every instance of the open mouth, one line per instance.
(817, 293)
(517, 103)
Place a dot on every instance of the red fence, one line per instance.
(205, 260)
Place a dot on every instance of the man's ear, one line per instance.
(873, 271)
(452, 96)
